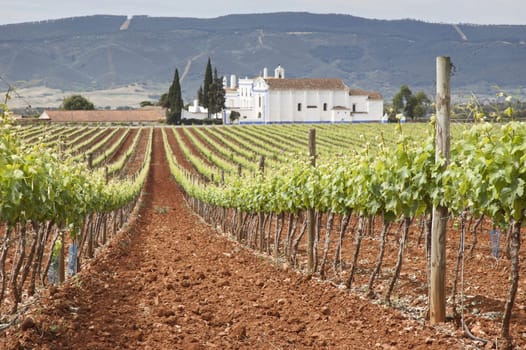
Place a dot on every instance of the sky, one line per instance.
(444, 11)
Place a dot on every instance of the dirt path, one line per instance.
(173, 282)
(188, 65)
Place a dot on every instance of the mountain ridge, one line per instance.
(91, 52)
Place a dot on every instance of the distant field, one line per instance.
(131, 95)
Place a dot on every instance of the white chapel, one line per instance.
(278, 100)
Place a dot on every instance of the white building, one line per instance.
(195, 111)
(269, 100)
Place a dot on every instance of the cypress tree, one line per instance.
(211, 94)
(174, 101)
(200, 96)
(216, 99)
(206, 86)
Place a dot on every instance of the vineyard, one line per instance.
(56, 208)
(371, 204)
(68, 190)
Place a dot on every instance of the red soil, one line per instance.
(136, 160)
(195, 151)
(125, 145)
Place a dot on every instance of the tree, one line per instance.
(76, 102)
(211, 94)
(413, 106)
(208, 80)
(234, 115)
(401, 98)
(174, 101)
(200, 95)
(410, 105)
(216, 95)
(422, 105)
(163, 100)
(146, 103)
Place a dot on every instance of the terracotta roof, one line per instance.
(306, 84)
(373, 95)
(133, 115)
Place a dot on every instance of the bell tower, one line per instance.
(279, 72)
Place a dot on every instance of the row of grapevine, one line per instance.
(118, 163)
(394, 181)
(95, 147)
(73, 139)
(53, 208)
(77, 138)
(105, 152)
(212, 156)
(228, 148)
(224, 149)
(235, 146)
(202, 168)
(28, 131)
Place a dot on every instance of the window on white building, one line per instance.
(354, 107)
(312, 106)
(299, 107)
(325, 107)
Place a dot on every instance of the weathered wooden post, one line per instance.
(311, 220)
(437, 297)
(89, 158)
(223, 209)
(89, 232)
(107, 179)
(106, 174)
(261, 215)
(261, 165)
(61, 259)
(61, 149)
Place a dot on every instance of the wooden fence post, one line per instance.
(261, 165)
(106, 175)
(437, 297)
(61, 259)
(261, 215)
(311, 220)
(61, 149)
(90, 160)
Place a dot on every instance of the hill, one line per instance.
(93, 53)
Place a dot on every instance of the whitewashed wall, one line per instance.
(257, 104)
(376, 109)
(283, 105)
